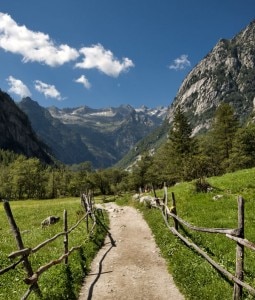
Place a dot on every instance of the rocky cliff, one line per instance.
(16, 133)
(226, 74)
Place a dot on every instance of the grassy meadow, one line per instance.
(59, 282)
(195, 277)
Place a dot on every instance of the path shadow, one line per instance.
(113, 244)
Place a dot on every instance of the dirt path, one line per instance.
(133, 269)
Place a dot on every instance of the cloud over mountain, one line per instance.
(103, 60)
(48, 90)
(18, 87)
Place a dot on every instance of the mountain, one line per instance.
(102, 136)
(226, 74)
(17, 134)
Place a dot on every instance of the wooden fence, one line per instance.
(236, 234)
(23, 253)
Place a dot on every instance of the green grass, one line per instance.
(59, 282)
(196, 278)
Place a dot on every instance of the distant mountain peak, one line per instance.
(102, 135)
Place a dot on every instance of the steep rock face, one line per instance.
(17, 134)
(226, 74)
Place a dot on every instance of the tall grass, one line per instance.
(59, 282)
(196, 278)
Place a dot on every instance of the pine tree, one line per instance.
(180, 134)
(243, 151)
(224, 128)
(178, 150)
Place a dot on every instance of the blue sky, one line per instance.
(103, 53)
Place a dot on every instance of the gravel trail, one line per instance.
(132, 269)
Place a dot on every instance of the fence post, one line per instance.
(154, 191)
(65, 236)
(174, 211)
(165, 200)
(237, 295)
(20, 244)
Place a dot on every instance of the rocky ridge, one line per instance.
(226, 74)
(101, 136)
(17, 134)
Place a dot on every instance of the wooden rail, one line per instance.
(24, 253)
(236, 235)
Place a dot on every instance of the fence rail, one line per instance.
(23, 253)
(236, 234)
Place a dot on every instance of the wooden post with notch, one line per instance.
(237, 295)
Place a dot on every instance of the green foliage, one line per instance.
(180, 134)
(28, 178)
(224, 128)
(6, 157)
(243, 151)
(60, 281)
(140, 176)
(173, 159)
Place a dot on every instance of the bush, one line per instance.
(202, 186)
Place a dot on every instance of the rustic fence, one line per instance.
(23, 253)
(236, 234)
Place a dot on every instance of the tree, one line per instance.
(80, 181)
(139, 178)
(224, 128)
(27, 178)
(179, 148)
(100, 180)
(207, 153)
(243, 150)
(180, 134)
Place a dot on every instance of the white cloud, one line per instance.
(48, 90)
(98, 57)
(33, 46)
(180, 63)
(18, 87)
(83, 80)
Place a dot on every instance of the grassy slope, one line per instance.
(193, 275)
(59, 282)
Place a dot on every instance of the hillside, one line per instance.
(225, 74)
(101, 136)
(17, 134)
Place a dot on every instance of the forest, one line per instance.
(226, 147)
